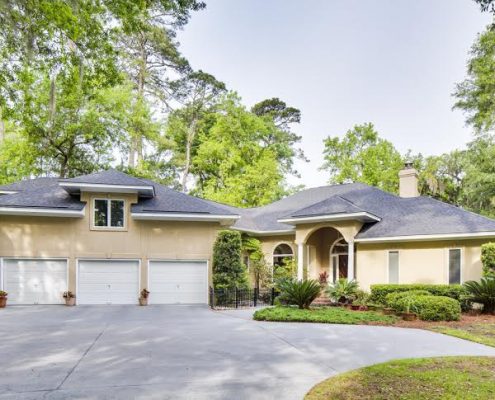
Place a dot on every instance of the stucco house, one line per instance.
(107, 235)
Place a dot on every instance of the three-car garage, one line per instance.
(106, 281)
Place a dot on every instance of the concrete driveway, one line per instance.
(179, 352)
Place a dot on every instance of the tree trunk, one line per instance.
(191, 134)
(136, 147)
(2, 127)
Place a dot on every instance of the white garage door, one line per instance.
(178, 282)
(108, 282)
(35, 281)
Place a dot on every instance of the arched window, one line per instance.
(282, 252)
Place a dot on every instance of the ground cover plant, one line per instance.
(329, 315)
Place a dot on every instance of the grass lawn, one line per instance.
(329, 315)
(480, 333)
(465, 378)
(480, 328)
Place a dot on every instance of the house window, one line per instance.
(109, 213)
(393, 267)
(281, 253)
(454, 266)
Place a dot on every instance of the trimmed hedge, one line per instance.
(394, 300)
(434, 308)
(458, 292)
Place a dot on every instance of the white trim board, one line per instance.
(411, 238)
(360, 216)
(265, 233)
(183, 217)
(42, 212)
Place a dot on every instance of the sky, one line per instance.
(394, 63)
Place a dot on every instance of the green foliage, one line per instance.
(476, 94)
(259, 268)
(236, 161)
(442, 177)
(362, 156)
(482, 292)
(228, 270)
(394, 299)
(379, 292)
(284, 272)
(432, 308)
(300, 293)
(361, 298)
(328, 315)
(343, 290)
(488, 259)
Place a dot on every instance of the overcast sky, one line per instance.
(344, 62)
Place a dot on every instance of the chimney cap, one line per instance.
(408, 164)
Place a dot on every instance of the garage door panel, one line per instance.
(35, 281)
(108, 282)
(178, 282)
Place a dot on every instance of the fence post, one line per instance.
(236, 298)
(212, 298)
(272, 300)
(255, 297)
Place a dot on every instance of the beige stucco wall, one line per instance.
(74, 238)
(419, 262)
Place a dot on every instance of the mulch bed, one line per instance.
(465, 320)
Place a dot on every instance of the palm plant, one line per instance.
(482, 292)
(343, 291)
(301, 293)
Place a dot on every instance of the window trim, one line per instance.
(109, 215)
(293, 255)
(461, 265)
(398, 266)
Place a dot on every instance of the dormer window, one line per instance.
(108, 213)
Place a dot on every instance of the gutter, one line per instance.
(424, 238)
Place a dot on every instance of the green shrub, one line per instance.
(482, 292)
(394, 300)
(433, 308)
(228, 269)
(343, 291)
(301, 293)
(458, 292)
(488, 259)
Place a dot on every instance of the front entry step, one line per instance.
(322, 300)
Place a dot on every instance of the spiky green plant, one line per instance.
(482, 292)
(301, 293)
(343, 290)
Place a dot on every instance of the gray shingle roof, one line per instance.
(169, 200)
(50, 196)
(30, 184)
(108, 177)
(332, 205)
(399, 216)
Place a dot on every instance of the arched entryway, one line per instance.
(327, 250)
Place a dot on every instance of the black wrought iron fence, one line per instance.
(241, 298)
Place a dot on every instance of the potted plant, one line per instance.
(3, 299)
(361, 300)
(143, 299)
(343, 291)
(408, 315)
(70, 298)
(388, 311)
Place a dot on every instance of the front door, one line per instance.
(339, 266)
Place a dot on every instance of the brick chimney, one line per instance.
(408, 181)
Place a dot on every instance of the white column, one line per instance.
(300, 261)
(350, 261)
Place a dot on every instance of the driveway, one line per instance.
(179, 352)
